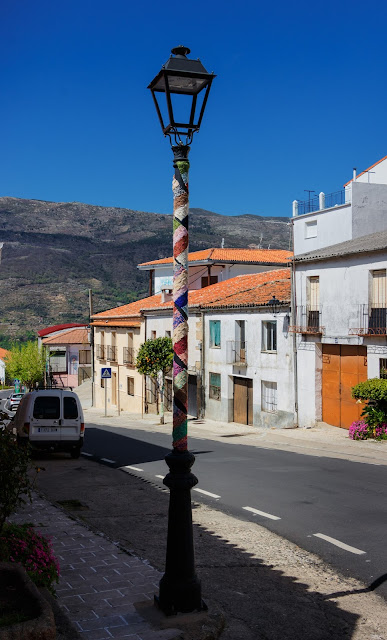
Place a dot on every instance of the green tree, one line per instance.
(155, 359)
(26, 363)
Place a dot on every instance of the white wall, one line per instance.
(376, 174)
(333, 226)
(271, 367)
(2, 370)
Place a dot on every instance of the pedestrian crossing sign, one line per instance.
(106, 372)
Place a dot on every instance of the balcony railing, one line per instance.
(308, 320)
(129, 357)
(111, 354)
(372, 321)
(237, 352)
(322, 201)
(100, 351)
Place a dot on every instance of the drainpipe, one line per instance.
(293, 322)
(202, 372)
(91, 345)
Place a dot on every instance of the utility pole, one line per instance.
(91, 345)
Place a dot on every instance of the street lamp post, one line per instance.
(185, 85)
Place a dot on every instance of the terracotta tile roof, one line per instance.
(365, 170)
(117, 323)
(265, 256)
(4, 353)
(59, 327)
(247, 290)
(74, 336)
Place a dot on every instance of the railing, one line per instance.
(111, 354)
(129, 356)
(308, 320)
(237, 352)
(100, 348)
(322, 201)
(372, 321)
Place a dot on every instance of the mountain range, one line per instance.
(54, 252)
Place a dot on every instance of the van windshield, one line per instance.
(47, 408)
(70, 409)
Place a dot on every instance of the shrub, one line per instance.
(15, 483)
(374, 391)
(21, 543)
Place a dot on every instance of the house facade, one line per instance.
(68, 356)
(340, 300)
(3, 356)
(240, 353)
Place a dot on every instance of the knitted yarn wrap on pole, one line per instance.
(180, 296)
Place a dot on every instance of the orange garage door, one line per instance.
(342, 368)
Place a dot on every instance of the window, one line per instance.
(383, 368)
(269, 396)
(311, 229)
(378, 312)
(58, 361)
(47, 408)
(84, 356)
(314, 302)
(269, 336)
(214, 333)
(213, 280)
(70, 409)
(240, 341)
(153, 335)
(214, 390)
(167, 334)
(130, 386)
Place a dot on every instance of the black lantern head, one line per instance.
(274, 305)
(181, 80)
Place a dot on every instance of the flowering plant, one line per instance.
(359, 430)
(21, 543)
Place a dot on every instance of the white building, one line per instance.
(3, 355)
(340, 300)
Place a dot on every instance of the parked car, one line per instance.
(12, 402)
(51, 419)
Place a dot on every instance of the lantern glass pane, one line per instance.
(182, 84)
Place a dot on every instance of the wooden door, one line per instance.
(343, 367)
(243, 400)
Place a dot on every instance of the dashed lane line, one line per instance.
(261, 513)
(340, 544)
(128, 466)
(84, 453)
(206, 493)
(162, 477)
(108, 460)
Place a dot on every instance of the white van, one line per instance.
(50, 419)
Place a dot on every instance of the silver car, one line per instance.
(13, 401)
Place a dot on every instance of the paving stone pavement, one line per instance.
(99, 582)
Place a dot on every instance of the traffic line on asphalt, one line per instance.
(128, 466)
(162, 477)
(108, 460)
(261, 513)
(206, 493)
(89, 455)
(340, 544)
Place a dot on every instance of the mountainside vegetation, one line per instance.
(54, 252)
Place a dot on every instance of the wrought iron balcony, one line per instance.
(372, 321)
(111, 354)
(129, 357)
(308, 320)
(100, 348)
(237, 352)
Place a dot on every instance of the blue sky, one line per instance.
(299, 100)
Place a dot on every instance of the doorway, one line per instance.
(243, 400)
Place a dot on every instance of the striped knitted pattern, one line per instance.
(180, 304)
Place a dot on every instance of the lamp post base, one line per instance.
(180, 589)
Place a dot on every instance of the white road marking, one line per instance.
(107, 460)
(83, 453)
(162, 477)
(132, 468)
(337, 543)
(207, 493)
(261, 513)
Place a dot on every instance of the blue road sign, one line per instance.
(106, 372)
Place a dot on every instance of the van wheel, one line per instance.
(75, 453)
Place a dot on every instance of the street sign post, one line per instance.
(106, 373)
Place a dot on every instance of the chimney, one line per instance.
(354, 174)
(166, 295)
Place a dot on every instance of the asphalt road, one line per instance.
(334, 508)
